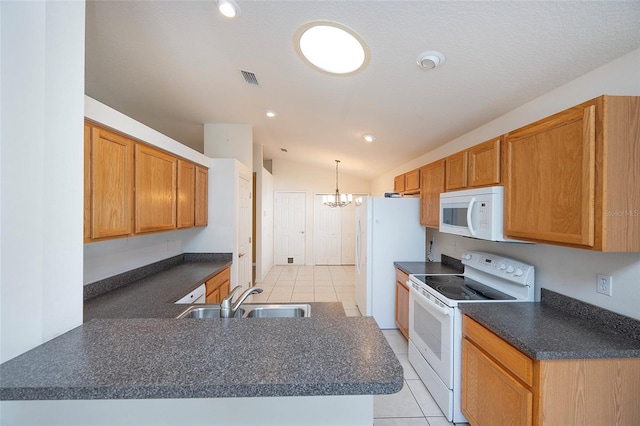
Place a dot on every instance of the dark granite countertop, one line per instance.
(426, 268)
(132, 347)
(547, 331)
(153, 296)
(206, 358)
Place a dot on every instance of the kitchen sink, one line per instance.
(277, 311)
(249, 310)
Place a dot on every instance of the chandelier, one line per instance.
(337, 199)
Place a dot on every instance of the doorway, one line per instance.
(334, 231)
(289, 228)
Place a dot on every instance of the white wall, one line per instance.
(263, 196)
(565, 270)
(41, 176)
(293, 176)
(619, 77)
(229, 141)
(221, 235)
(107, 258)
(267, 226)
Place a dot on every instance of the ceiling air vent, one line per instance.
(249, 77)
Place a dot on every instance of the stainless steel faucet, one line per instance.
(228, 309)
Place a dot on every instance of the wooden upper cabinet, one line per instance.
(87, 182)
(456, 171)
(573, 178)
(186, 194)
(412, 182)
(109, 165)
(551, 177)
(484, 163)
(155, 195)
(202, 194)
(398, 184)
(477, 166)
(407, 183)
(432, 177)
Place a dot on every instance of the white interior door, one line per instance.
(348, 230)
(289, 224)
(244, 233)
(328, 233)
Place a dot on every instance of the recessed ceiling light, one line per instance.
(229, 8)
(369, 138)
(271, 114)
(331, 47)
(430, 59)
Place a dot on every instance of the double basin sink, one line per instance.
(249, 310)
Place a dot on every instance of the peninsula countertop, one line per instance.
(132, 347)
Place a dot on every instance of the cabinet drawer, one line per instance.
(401, 277)
(214, 283)
(512, 359)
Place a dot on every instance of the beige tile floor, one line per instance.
(413, 405)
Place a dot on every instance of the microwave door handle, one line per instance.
(469, 210)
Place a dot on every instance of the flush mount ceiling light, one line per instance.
(229, 8)
(369, 138)
(430, 60)
(270, 114)
(331, 47)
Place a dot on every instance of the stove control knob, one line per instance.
(510, 269)
(503, 266)
(519, 272)
(466, 256)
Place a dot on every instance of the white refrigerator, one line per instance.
(387, 230)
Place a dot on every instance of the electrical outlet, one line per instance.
(604, 284)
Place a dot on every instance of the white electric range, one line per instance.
(435, 321)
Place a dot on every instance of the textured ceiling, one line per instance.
(174, 65)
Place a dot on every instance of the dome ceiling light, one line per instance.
(229, 8)
(430, 60)
(368, 138)
(332, 48)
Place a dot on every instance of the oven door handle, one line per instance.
(469, 211)
(442, 310)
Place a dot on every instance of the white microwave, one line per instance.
(475, 213)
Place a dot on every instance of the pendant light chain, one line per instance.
(337, 200)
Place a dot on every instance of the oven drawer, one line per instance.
(512, 359)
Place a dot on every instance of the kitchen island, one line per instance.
(323, 369)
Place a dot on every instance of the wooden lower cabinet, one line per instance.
(218, 286)
(402, 303)
(503, 386)
(492, 396)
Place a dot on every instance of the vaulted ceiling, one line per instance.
(175, 65)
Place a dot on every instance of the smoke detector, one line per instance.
(430, 59)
